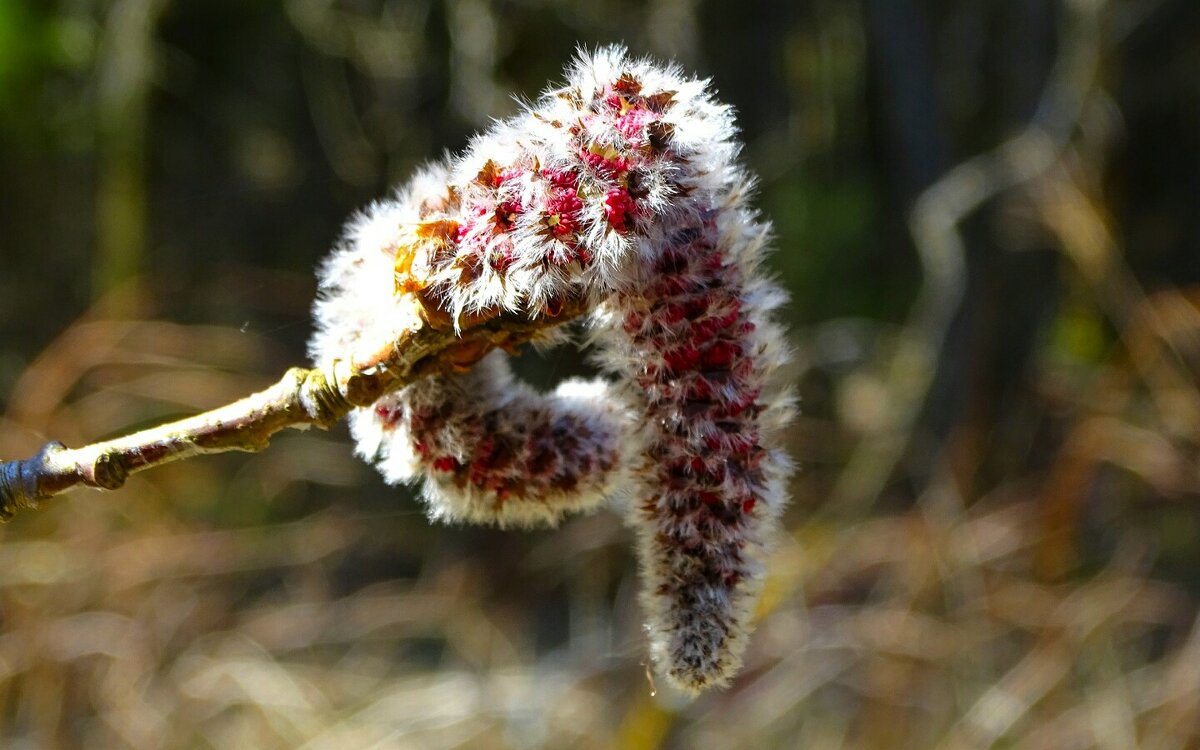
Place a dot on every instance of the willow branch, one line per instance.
(301, 398)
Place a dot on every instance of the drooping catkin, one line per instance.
(620, 188)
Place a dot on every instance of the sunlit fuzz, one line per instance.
(620, 191)
(490, 449)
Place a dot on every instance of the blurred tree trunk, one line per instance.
(125, 69)
(1006, 294)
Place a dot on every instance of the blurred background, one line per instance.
(987, 217)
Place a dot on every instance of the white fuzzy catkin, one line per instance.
(621, 188)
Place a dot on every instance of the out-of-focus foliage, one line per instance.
(993, 540)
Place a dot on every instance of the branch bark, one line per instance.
(301, 398)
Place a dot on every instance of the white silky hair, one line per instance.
(699, 634)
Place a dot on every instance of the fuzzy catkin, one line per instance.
(492, 450)
(622, 188)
